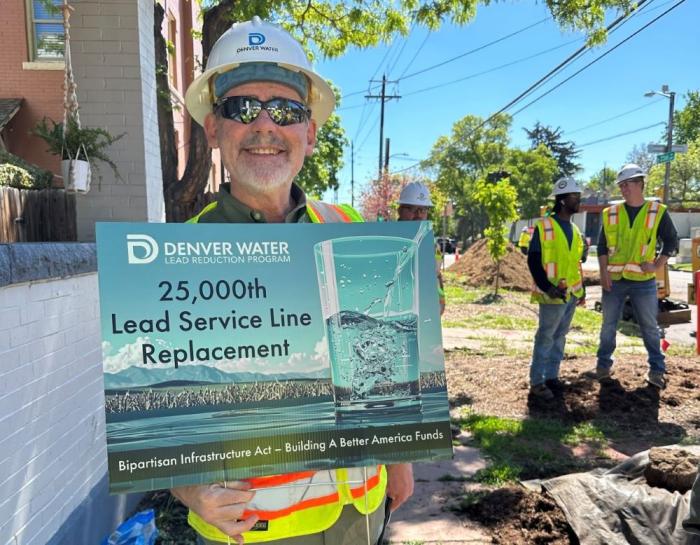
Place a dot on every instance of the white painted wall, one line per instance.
(52, 430)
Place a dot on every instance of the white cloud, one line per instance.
(130, 355)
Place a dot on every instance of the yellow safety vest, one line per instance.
(524, 240)
(319, 212)
(630, 246)
(560, 262)
(305, 502)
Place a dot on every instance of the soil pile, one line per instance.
(518, 517)
(477, 269)
(672, 469)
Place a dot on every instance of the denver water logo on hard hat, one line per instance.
(255, 38)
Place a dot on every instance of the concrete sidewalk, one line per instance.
(424, 518)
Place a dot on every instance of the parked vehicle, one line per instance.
(447, 245)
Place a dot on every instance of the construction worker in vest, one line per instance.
(628, 264)
(524, 240)
(262, 107)
(414, 205)
(554, 259)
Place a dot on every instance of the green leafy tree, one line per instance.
(563, 151)
(686, 122)
(603, 181)
(320, 171)
(460, 160)
(531, 174)
(498, 200)
(330, 27)
(684, 182)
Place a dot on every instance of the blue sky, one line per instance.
(664, 53)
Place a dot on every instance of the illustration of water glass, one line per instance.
(369, 298)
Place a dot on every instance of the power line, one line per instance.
(553, 72)
(420, 48)
(471, 51)
(496, 68)
(599, 57)
(645, 105)
(621, 134)
(442, 63)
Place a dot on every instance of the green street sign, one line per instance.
(666, 157)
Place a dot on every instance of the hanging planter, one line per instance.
(80, 149)
(77, 175)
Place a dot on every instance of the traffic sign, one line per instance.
(666, 157)
(661, 148)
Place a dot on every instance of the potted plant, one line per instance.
(80, 150)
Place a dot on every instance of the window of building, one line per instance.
(172, 50)
(45, 30)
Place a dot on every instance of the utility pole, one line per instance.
(352, 173)
(383, 97)
(669, 144)
(386, 155)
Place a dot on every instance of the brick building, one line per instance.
(113, 59)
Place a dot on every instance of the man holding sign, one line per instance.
(261, 104)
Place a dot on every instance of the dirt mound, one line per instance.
(518, 517)
(591, 278)
(477, 269)
(672, 469)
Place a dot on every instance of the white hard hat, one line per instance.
(630, 171)
(565, 185)
(415, 193)
(256, 41)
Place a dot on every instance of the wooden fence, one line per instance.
(47, 215)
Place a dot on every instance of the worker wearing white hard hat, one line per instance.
(628, 259)
(554, 256)
(414, 202)
(414, 205)
(260, 104)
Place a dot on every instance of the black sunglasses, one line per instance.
(282, 111)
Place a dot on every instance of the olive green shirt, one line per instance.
(230, 210)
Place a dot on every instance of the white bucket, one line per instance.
(76, 175)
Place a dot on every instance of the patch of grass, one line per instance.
(490, 320)
(585, 432)
(678, 349)
(452, 478)
(458, 294)
(534, 447)
(498, 474)
(687, 267)
(587, 321)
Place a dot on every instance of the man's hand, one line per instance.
(221, 507)
(605, 281)
(399, 484)
(648, 267)
(555, 292)
(581, 302)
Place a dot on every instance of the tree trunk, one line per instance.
(498, 276)
(166, 127)
(184, 196)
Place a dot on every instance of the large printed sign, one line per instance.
(241, 350)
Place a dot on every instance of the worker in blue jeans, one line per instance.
(554, 259)
(628, 264)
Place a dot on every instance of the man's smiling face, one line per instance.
(261, 157)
